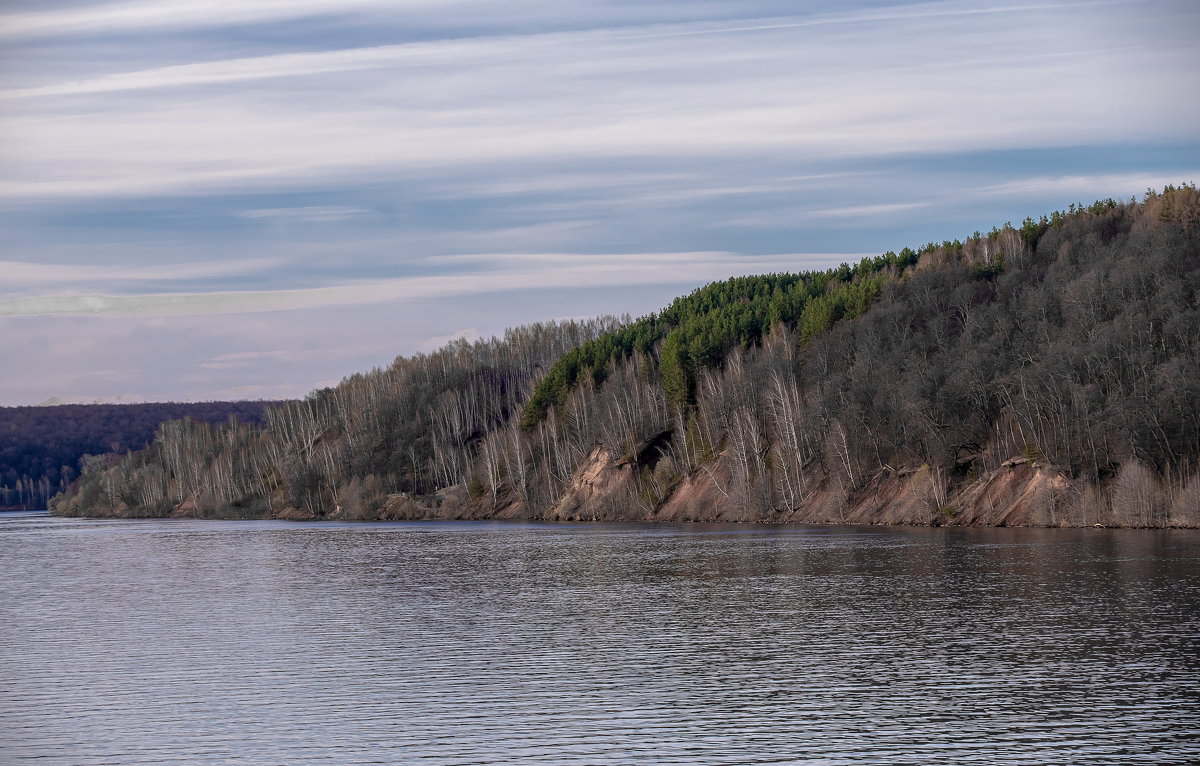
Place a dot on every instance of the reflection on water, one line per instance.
(448, 643)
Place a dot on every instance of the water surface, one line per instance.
(471, 643)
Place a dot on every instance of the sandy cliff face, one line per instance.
(1019, 493)
(601, 489)
(606, 488)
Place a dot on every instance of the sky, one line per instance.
(249, 200)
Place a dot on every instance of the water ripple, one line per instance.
(210, 642)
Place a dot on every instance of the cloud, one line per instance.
(845, 215)
(243, 359)
(450, 52)
(436, 342)
(833, 86)
(160, 14)
(235, 70)
(863, 211)
(502, 273)
(311, 213)
(1087, 186)
(195, 14)
(26, 273)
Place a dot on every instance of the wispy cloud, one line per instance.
(28, 273)
(779, 89)
(517, 272)
(308, 213)
(855, 211)
(436, 342)
(280, 356)
(441, 52)
(1089, 186)
(196, 14)
(243, 69)
(160, 14)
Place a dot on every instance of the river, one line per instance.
(180, 641)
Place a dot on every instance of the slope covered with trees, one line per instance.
(41, 447)
(1047, 374)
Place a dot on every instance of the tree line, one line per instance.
(41, 447)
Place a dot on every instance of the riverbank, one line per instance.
(1020, 493)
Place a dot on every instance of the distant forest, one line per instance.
(1069, 343)
(41, 447)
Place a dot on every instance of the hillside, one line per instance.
(41, 447)
(1047, 374)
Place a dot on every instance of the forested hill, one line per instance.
(1041, 374)
(41, 447)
